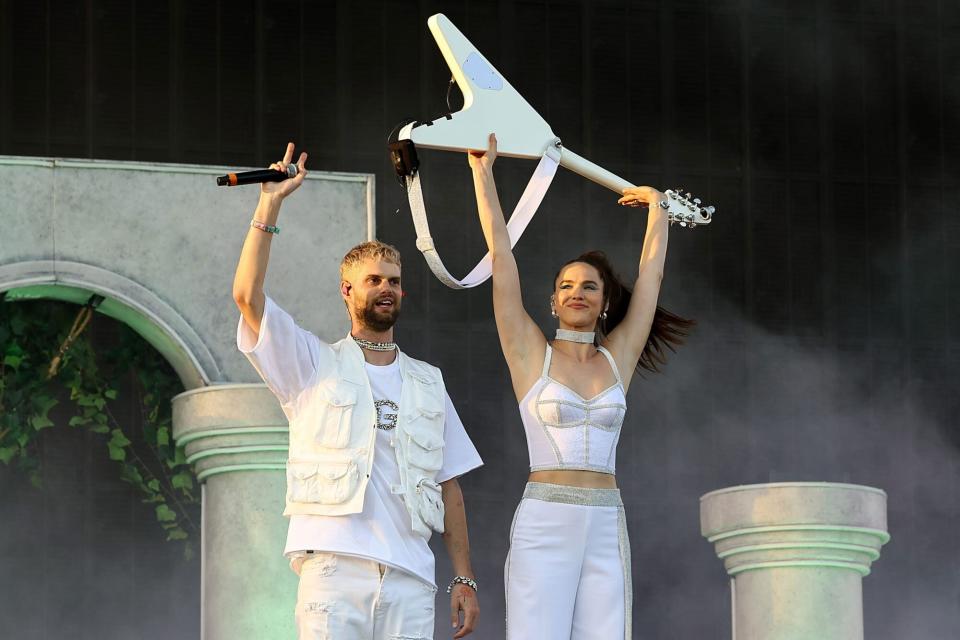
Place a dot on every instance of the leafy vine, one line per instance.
(48, 360)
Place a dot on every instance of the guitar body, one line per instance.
(490, 105)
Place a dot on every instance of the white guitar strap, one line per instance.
(521, 217)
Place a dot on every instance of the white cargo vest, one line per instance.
(332, 440)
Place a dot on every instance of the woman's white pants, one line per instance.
(567, 573)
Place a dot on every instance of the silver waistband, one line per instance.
(573, 495)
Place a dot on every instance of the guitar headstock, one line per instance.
(685, 209)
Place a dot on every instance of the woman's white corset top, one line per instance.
(567, 431)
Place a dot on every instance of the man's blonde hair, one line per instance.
(368, 250)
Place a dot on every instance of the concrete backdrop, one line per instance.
(826, 133)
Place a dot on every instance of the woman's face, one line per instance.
(578, 296)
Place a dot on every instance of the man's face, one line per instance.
(372, 292)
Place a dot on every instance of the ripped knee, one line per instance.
(317, 608)
(313, 620)
(322, 565)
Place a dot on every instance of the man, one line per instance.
(376, 447)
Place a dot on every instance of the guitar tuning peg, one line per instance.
(709, 210)
(696, 200)
(662, 204)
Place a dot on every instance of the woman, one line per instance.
(568, 570)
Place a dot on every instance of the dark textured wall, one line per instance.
(827, 289)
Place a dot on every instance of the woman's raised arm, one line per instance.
(627, 341)
(522, 341)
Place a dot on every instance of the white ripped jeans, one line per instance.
(348, 598)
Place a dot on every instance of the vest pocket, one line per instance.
(338, 405)
(430, 503)
(425, 450)
(321, 482)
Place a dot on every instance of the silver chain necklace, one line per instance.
(374, 346)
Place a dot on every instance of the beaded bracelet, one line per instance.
(470, 582)
(256, 224)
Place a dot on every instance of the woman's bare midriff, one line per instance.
(584, 479)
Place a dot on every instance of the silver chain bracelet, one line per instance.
(470, 582)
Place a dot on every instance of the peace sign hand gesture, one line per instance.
(281, 190)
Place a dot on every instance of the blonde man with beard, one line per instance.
(376, 447)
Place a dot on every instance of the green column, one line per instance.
(796, 553)
(236, 437)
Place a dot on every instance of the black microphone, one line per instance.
(256, 177)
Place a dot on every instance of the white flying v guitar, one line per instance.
(491, 104)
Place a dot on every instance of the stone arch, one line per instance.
(124, 300)
(160, 242)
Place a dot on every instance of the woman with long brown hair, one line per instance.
(567, 573)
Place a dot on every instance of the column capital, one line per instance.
(796, 524)
(231, 427)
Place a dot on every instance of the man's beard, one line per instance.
(377, 319)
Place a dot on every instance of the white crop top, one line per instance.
(568, 432)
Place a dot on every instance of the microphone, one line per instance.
(257, 176)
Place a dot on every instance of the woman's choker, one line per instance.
(585, 337)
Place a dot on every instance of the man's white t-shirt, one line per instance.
(382, 531)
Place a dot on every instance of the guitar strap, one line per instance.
(522, 215)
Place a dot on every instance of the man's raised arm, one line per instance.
(252, 268)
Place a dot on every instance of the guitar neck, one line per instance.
(579, 164)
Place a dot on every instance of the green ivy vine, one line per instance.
(49, 360)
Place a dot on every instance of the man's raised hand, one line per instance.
(283, 189)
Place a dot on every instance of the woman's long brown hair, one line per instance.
(668, 331)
